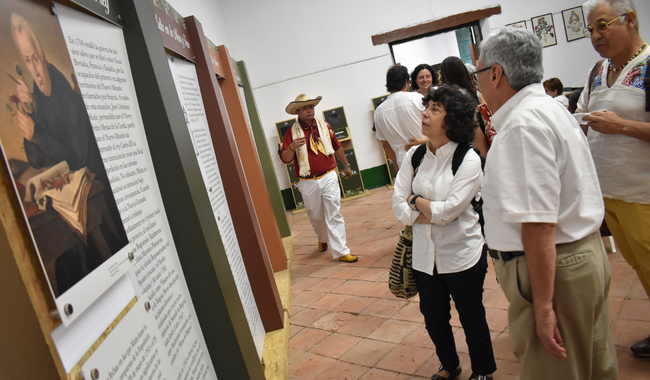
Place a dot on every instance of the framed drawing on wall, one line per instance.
(544, 28)
(519, 24)
(574, 23)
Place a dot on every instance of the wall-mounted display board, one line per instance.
(350, 188)
(234, 100)
(215, 59)
(187, 86)
(264, 153)
(60, 176)
(389, 163)
(106, 178)
(282, 127)
(259, 277)
(173, 30)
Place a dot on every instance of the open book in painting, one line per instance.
(68, 192)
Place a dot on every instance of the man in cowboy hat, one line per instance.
(316, 167)
(619, 131)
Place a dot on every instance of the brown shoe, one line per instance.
(322, 247)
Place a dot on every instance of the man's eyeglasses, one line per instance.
(475, 74)
(601, 26)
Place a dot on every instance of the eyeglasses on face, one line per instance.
(475, 74)
(601, 26)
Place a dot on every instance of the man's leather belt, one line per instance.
(319, 175)
(504, 255)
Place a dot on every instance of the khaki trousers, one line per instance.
(581, 304)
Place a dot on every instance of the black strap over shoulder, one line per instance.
(459, 155)
(417, 157)
(456, 160)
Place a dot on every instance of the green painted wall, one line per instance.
(264, 153)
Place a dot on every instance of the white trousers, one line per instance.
(322, 199)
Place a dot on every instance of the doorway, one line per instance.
(432, 48)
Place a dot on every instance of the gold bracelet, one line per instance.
(293, 150)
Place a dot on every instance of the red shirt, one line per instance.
(318, 164)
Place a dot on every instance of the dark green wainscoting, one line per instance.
(372, 178)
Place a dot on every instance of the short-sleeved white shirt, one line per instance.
(398, 119)
(538, 170)
(454, 242)
(622, 162)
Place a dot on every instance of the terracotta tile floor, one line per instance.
(346, 325)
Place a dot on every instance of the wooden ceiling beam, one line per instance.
(435, 25)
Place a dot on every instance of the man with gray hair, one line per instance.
(619, 137)
(543, 210)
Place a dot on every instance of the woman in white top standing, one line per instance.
(449, 257)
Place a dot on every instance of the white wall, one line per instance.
(325, 48)
(431, 50)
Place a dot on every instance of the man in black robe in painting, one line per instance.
(56, 127)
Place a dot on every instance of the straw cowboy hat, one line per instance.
(302, 100)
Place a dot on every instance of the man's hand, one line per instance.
(541, 253)
(297, 143)
(348, 172)
(414, 142)
(24, 94)
(549, 334)
(25, 124)
(605, 122)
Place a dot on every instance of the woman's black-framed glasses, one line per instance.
(475, 74)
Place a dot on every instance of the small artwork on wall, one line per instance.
(574, 24)
(519, 24)
(544, 28)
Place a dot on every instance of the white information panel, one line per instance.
(167, 340)
(187, 86)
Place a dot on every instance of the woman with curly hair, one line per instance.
(454, 72)
(449, 256)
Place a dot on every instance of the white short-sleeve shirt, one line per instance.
(538, 170)
(398, 119)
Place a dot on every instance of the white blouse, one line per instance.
(454, 242)
(621, 161)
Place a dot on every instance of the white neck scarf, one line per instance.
(323, 131)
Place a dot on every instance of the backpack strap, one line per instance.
(456, 160)
(459, 155)
(592, 75)
(417, 157)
